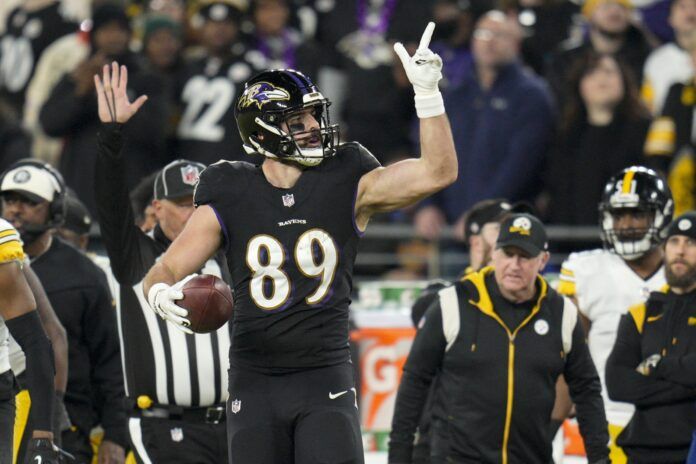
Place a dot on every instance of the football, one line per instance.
(209, 302)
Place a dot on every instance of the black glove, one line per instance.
(43, 451)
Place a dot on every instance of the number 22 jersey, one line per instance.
(291, 254)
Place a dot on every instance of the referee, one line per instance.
(177, 412)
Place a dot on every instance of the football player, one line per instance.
(290, 228)
(18, 315)
(636, 205)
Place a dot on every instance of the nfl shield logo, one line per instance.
(177, 434)
(189, 174)
(288, 200)
(236, 406)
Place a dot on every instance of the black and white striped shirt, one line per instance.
(159, 360)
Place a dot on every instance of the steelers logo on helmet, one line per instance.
(636, 206)
(267, 104)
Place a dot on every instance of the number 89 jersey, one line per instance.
(291, 254)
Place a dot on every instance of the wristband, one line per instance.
(428, 106)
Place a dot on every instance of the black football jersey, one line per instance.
(291, 254)
(206, 91)
(26, 36)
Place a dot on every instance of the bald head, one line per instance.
(496, 39)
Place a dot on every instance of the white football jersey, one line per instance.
(605, 287)
(10, 250)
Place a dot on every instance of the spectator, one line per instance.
(275, 44)
(206, 89)
(71, 109)
(32, 196)
(162, 45)
(609, 32)
(605, 283)
(29, 29)
(546, 24)
(653, 363)
(62, 57)
(498, 369)
(356, 36)
(602, 131)
(14, 142)
(502, 121)
(452, 37)
(671, 63)
(669, 147)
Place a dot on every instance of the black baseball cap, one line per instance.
(525, 232)
(77, 217)
(177, 179)
(683, 225)
(482, 213)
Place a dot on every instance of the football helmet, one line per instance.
(268, 99)
(641, 189)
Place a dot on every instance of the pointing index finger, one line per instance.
(427, 35)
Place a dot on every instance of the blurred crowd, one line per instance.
(546, 98)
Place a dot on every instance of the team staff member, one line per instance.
(32, 198)
(175, 382)
(481, 226)
(500, 339)
(653, 363)
(17, 313)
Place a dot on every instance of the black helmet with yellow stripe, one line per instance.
(636, 206)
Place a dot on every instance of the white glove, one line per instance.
(424, 70)
(162, 297)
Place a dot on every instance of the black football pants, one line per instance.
(308, 417)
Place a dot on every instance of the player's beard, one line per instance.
(685, 280)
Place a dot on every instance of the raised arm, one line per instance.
(406, 182)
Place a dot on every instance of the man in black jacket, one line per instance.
(32, 199)
(500, 339)
(653, 363)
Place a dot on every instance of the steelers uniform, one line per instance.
(605, 287)
(10, 250)
(291, 254)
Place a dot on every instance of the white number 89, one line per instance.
(306, 263)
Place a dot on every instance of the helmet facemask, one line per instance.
(274, 141)
(631, 243)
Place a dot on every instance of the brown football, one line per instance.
(209, 303)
